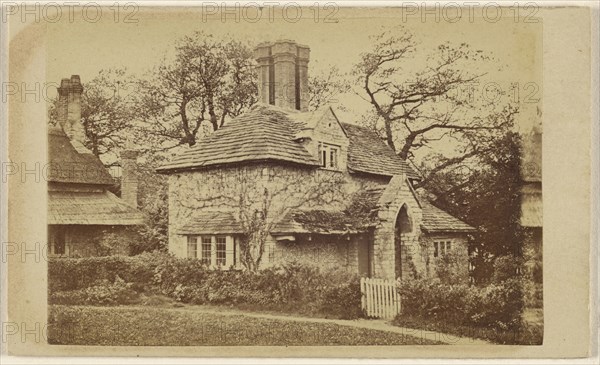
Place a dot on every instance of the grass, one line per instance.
(150, 326)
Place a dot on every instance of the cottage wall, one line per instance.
(458, 258)
(326, 252)
(281, 188)
(396, 195)
(93, 240)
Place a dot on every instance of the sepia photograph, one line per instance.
(288, 175)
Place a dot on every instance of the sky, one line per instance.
(84, 48)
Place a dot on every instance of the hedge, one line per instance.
(495, 306)
(293, 287)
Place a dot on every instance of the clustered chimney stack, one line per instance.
(283, 74)
(69, 108)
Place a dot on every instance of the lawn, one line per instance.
(149, 326)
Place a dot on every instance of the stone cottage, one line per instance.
(531, 188)
(82, 212)
(319, 190)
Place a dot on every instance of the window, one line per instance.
(192, 247)
(328, 156)
(333, 158)
(271, 254)
(441, 248)
(59, 247)
(206, 250)
(213, 251)
(58, 238)
(221, 251)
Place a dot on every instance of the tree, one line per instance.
(154, 202)
(108, 107)
(323, 88)
(208, 81)
(487, 197)
(421, 99)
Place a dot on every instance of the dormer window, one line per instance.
(328, 156)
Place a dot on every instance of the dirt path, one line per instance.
(373, 324)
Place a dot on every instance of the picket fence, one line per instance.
(380, 298)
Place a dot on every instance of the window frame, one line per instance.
(220, 254)
(329, 156)
(206, 241)
(442, 247)
(192, 241)
(215, 251)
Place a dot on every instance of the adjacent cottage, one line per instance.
(313, 188)
(82, 213)
(531, 190)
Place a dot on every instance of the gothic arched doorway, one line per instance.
(403, 225)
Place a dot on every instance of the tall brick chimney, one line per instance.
(69, 108)
(129, 177)
(283, 74)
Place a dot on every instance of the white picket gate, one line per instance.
(380, 298)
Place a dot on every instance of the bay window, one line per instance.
(214, 251)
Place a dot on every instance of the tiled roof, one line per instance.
(263, 133)
(437, 220)
(434, 218)
(368, 153)
(317, 221)
(205, 222)
(67, 165)
(99, 208)
(267, 132)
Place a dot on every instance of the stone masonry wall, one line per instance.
(87, 241)
(281, 188)
(331, 252)
(395, 196)
(458, 256)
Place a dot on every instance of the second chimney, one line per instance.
(69, 108)
(283, 74)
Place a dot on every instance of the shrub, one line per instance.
(506, 267)
(497, 306)
(105, 293)
(292, 287)
(73, 274)
(343, 300)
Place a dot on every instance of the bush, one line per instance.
(105, 293)
(506, 267)
(343, 300)
(495, 306)
(292, 288)
(66, 274)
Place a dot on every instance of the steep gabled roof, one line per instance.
(67, 165)
(262, 133)
(267, 132)
(368, 153)
(434, 219)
